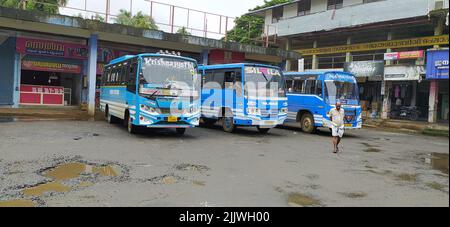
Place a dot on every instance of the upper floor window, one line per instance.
(304, 7)
(335, 4)
(277, 14)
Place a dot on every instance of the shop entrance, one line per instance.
(50, 88)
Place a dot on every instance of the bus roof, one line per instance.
(128, 57)
(290, 74)
(235, 65)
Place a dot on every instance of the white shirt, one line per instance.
(337, 117)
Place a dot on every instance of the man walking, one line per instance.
(336, 116)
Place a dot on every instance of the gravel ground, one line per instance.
(208, 167)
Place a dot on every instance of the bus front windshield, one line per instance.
(264, 81)
(168, 73)
(344, 92)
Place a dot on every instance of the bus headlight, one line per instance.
(284, 110)
(149, 110)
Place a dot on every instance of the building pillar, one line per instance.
(92, 73)
(17, 78)
(348, 55)
(433, 101)
(205, 57)
(386, 108)
(315, 59)
(288, 66)
(414, 93)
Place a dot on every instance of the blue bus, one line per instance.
(243, 95)
(152, 90)
(311, 95)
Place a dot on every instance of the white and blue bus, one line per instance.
(153, 91)
(311, 95)
(243, 95)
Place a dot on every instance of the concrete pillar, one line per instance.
(348, 55)
(288, 66)
(92, 73)
(17, 78)
(315, 59)
(433, 102)
(205, 57)
(386, 107)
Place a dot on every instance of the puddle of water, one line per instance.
(438, 162)
(7, 119)
(354, 195)
(191, 167)
(17, 203)
(301, 200)
(372, 150)
(73, 170)
(39, 190)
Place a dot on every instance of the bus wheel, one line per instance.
(228, 122)
(307, 123)
(263, 130)
(130, 127)
(110, 118)
(181, 131)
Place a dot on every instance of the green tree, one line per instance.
(139, 20)
(48, 6)
(183, 31)
(249, 28)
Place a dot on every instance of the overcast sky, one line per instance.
(161, 13)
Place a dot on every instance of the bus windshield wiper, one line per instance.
(153, 95)
(265, 77)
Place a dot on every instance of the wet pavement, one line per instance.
(80, 163)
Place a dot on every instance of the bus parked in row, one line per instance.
(311, 95)
(243, 95)
(153, 91)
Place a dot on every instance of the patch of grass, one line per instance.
(301, 200)
(435, 132)
(436, 186)
(354, 195)
(407, 177)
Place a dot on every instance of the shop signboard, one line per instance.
(403, 72)
(373, 70)
(51, 48)
(404, 55)
(51, 67)
(437, 64)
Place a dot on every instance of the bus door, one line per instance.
(233, 91)
(131, 81)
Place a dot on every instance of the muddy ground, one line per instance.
(81, 163)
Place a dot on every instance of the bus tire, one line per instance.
(110, 118)
(307, 123)
(263, 130)
(181, 131)
(130, 127)
(228, 122)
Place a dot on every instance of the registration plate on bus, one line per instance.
(348, 125)
(270, 122)
(172, 119)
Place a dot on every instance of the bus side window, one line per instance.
(219, 77)
(289, 85)
(132, 70)
(298, 86)
(310, 87)
(105, 76)
(319, 88)
(207, 78)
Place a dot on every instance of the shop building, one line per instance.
(383, 42)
